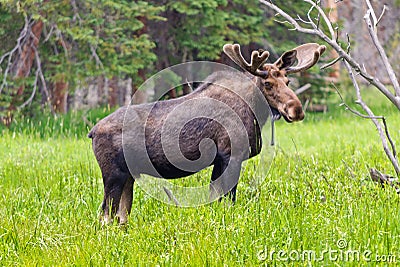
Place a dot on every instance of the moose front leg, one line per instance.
(225, 177)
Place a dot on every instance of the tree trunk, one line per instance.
(172, 93)
(186, 89)
(113, 92)
(59, 96)
(139, 96)
(25, 60)
(22, 66)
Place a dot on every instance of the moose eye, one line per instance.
(268, 84)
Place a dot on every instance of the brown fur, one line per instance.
(142, 135)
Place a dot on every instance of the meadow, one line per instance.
(317, 199)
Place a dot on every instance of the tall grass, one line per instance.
(316, 195)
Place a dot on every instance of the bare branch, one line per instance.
(372, 13)
(29, 100)
(348, 43)
(10, 55)
(302, 20)
(354, 68)
(49, 34)
(381, 16)
(287, 17)
(333, 62)
(326, 19)
(171, 197)
(385, 60)
(318, 20)
(43, 81)
(355, 112)
(96, 57)
(302, 89)
(76, 12)
(395, 99)
(61, 39)
(311, 22)
(384, 134)
(337, 34)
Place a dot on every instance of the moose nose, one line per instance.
(295, 112)
(300, 115)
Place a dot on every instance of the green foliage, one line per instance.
(80, 39)
(197, 30)
(117, 38)
(107, 28)
(280, 38)
(79, 33)
(9, 29)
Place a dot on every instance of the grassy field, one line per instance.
(317, 202)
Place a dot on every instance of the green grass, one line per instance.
(316, 192)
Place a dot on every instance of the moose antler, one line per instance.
(257, 60)
(307, 55)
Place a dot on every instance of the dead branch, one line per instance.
(323, 15)
(381, 16)
(395, 99)
(96, 57)
(29, 100)
(372, 29)
(11, 54)
(383, 134)
(330, 64)
(371, 10)
(62, 41)
(352, 65)
(171, 197)
(42, 79)
(302, 89)
(76, 12)
(384, 179)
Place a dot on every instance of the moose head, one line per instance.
(281, 98)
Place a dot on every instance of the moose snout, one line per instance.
(293, 111)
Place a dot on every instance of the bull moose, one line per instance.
(143, 133)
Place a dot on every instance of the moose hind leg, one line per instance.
(113, 187)
(225, 177)
(232, 194)
(125, 203)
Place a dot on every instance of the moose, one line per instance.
(143, 136)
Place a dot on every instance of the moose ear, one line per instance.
(286, 60)
(306, 55)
